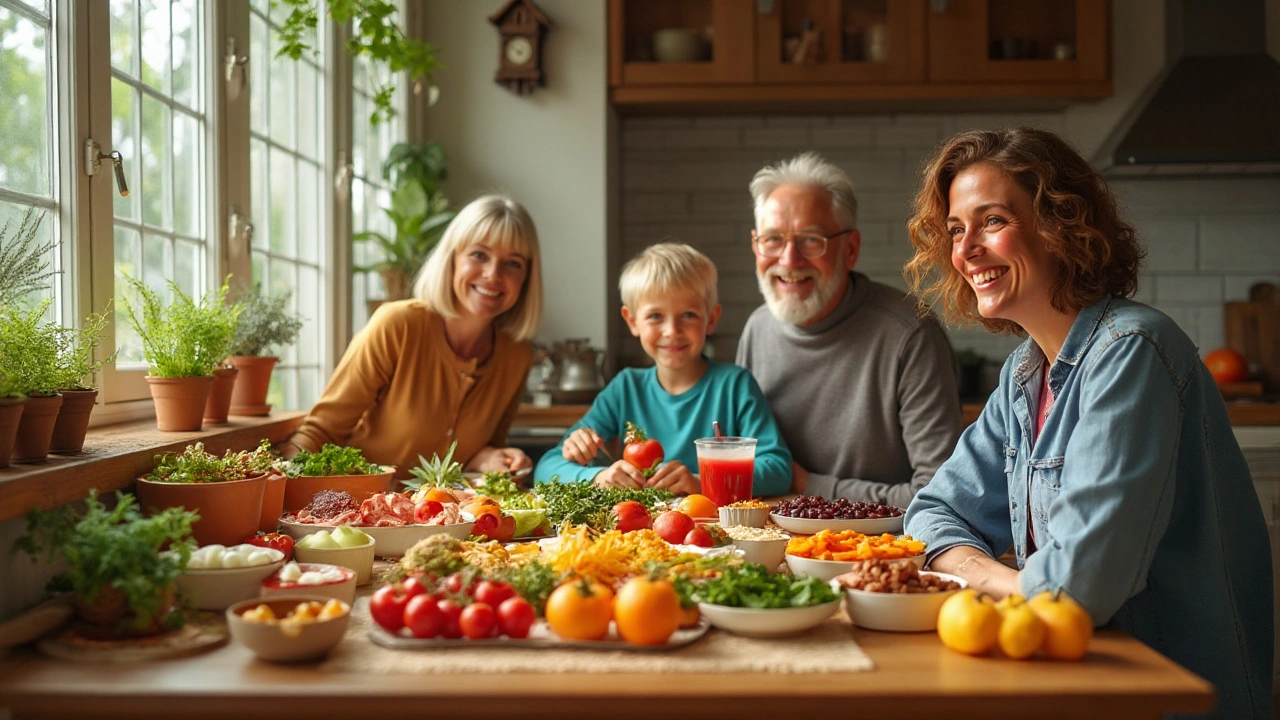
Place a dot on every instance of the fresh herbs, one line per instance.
(753, 586)
(330, 460)
(117, 548)
(24, 262)
(436, 472)
(266, 323)
(195, 465)
(581, 503)
(76, 348)
(500, 487)
(29, 350)
(534, 581)
(182, 337)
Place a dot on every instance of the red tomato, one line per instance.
(673, 526)
(423, 617)
(412, 587)
(515, 617)
(632, 515)
(386, 607)
(493, 593)
(455, 584)
(425, 510)
(452, 614)
(700, 537)
(644, 453)
(1227, 366)
(275, 541)
(486, 526)
(476, 620)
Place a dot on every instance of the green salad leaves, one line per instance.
(752, 586)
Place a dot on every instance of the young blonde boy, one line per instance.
(669, 303)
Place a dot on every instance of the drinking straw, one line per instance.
(715, 425)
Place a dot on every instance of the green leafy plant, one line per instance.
(117, 548)
(24, 264)
(76, 348)
(266, 323)
(182, 337)
(437, 472)
(330, 460)
(500, 486)
(374, 35)
(753, 586)
(581, 503)
(29, 349)
(195, 465)
(9, 387)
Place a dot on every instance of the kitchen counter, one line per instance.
(914, 677)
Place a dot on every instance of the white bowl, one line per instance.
(389, 542)
(356, 557)
(344, 590)
(269, 642)
(769, 553)
(767, 622)
(898, 612)
(871, 526)
(828, 569)
(218, 588)
(749, 517)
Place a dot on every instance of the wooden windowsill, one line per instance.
(114, 455)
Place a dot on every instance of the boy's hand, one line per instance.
(582, 445)
(674, 476)
(621, 474)
(492, 459)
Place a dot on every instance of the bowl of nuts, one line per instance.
(809, 514)
(896, 595)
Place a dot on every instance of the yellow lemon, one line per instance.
(1068, 627)
(968, 622)
(1021, 631)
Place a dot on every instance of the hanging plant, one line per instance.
(374, 35)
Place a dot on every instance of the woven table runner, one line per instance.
(828, 648)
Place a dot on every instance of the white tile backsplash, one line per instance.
(1208, 239)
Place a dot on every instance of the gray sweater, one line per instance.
(865, 398)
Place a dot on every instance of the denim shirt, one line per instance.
(1140, 499)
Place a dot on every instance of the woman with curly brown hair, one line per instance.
(1105, 458)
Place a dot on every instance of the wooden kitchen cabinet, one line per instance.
(881, 54)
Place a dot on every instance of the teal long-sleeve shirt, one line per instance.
(725, 393)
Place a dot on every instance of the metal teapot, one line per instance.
(579, 371)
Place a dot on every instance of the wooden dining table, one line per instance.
(914, 677)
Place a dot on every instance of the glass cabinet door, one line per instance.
(841, 41)
(1019, 40)
(681, 42)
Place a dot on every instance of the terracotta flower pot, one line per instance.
(10, 412)
(250, 394)
(297, 494)
(73, 421)
(180, 402)
(272, 502)
(229, 511)
(106, 615)
(219, 402)
(35, 428)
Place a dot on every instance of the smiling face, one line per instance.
(672, 327)
(487, 280)
(995, 246)
(800, 290)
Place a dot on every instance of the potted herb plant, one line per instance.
(226, 491)
(266, 324)
(122, 583)
(332, 468)
(76, 368)
(183, 340)
(11, 401)
(29, 357)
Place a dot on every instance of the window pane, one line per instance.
(157, 262)
(124, 35)
(259, 185)
(283, 97)
(11, 216)
(283, 198)
(124, 133)
(155, 44)
(156, 154)
(186, 267)
(259, 63)
(308, 112)
(186, 49)
(186, 174)
(308, 298)
(310, 204)
(128, 254)
(308, 387)
(24, 109)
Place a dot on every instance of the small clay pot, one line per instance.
(272, 502)
(35, 428)
(219, 402)
(73, 421)
(180, 402)
(250, 394)
(229, 511)
(10, 413)
(106, 615)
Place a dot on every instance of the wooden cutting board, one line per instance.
(1253, 329)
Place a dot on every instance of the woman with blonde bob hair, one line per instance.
(1105, 458)
(449, 365)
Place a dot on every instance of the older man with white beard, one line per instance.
(862, 386)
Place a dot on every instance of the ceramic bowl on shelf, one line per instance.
(767, 622)
(868, 526)
(287, 642)
(679, 45)
(899, 612)
(829, 569)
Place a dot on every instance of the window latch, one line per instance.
(93, 157)
(234, 65)
(242, 229)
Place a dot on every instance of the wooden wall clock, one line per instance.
(522, 26)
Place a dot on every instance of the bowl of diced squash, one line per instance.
(828, 554)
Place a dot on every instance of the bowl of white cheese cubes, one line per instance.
(218, 576)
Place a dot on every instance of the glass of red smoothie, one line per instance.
(725, 466)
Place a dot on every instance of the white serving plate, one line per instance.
(767, 622)
(829, 569)
(905, 612)
(805, 526)
(390, 542)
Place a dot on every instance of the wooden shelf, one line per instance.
(555, 416)
(114, 455)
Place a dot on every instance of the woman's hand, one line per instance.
(582, 445)
(492, 459)
(621, 474)
(674, 476)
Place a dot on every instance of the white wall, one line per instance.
(547, 150)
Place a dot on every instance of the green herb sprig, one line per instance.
(330, 460)
(182, 337)
(24, 262)
(195, 465)
(581, 503)
(266, 324)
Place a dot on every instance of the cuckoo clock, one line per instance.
(522, 25)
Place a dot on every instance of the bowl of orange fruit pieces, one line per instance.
(828, 554)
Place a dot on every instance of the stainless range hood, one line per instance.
(1215, 107)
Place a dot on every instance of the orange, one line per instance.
(968, 622)
(699, 506)
(580, 610)
(646, 611)
(440, 495)
(1227, 366)
(1021, 631)
(1068, 627)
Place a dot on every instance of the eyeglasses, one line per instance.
(810, 245)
